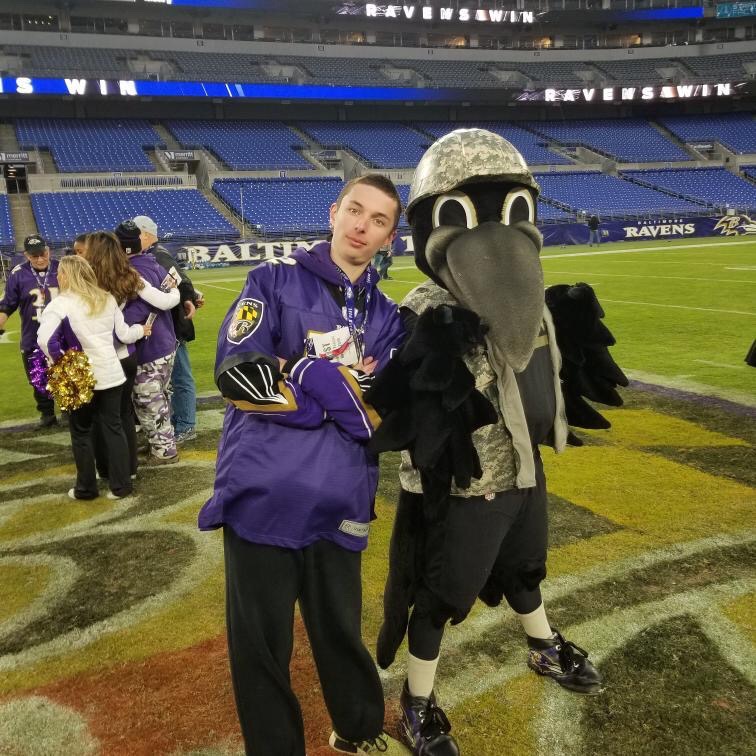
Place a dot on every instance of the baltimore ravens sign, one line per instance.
(247, 317)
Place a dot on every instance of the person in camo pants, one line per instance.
(155, 356)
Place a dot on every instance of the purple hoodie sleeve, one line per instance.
(247, 371)
(337, 389)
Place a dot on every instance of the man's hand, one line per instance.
(366, 365)
(189, 309)
(199, 299)
(147, 330)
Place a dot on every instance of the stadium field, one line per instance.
(112, 617)
(683, 313)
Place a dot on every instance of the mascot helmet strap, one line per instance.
(464, 156)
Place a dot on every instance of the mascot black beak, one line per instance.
(494, 269)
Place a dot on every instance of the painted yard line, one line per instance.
(722, 365)
(207, 557)
(222, 288)
(562, 736)
(679, 307)
(703, 389)
(563, 585)
(667, 278)
(595, 253)
(209, 281)
(747, 267)
(602, 636)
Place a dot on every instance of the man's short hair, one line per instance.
(377, 181)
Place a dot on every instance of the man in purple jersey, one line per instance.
(295, 485)
(31, 285)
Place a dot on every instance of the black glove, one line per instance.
(588, 369)
(429, 404)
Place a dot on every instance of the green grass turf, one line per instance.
(683, 313)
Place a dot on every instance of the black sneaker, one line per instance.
(374, 745)
(48, 421)
(425, 727)
(566, 663)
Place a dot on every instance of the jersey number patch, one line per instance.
(247, 318)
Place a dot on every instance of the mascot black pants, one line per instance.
(263, 583)
(498, 545)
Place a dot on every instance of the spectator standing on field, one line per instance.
(594, 236)
(154, 356)
(86, 317)
(184, 397)
(115, 275)
(30, 287)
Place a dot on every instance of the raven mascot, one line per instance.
(493, 366)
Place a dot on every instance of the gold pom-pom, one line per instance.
(71, 381)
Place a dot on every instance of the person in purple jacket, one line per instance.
(155, 355)
(295, 484)
(30, 287)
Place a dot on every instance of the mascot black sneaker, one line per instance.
(425, 727)
(374, 745)
(564, 662)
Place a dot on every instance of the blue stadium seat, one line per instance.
(7, 241)
(379, 145)
(181, 214)
(737, 131)
(83, 146)
(714, 186)
(286, 206)
(531, 146)
(630, 140)
(244, 145)
(607, 195)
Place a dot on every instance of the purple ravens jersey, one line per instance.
(29, 291)
(293, 467)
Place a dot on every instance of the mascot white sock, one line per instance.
(535, 624)
(421, 675)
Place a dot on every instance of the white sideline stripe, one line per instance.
(704, 389)
(559, 587)
(679, 307)
(595, 253)
(722, 364)
(666, 278)
(560, 711)
(222, 288)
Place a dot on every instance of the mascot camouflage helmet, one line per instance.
(464, 156)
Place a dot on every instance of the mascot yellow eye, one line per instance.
(454, 209)
(519, 205)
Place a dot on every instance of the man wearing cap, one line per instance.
(184, 398)
(31, 285)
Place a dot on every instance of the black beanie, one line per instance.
(128, 234)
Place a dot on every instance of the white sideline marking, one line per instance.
(679, 307)
(704, 389)
(562, 735)
(8, 457)
(747, 267)
(668, 278)
(646, 249)
(222, 288)
(721, 364)
(561, 586)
